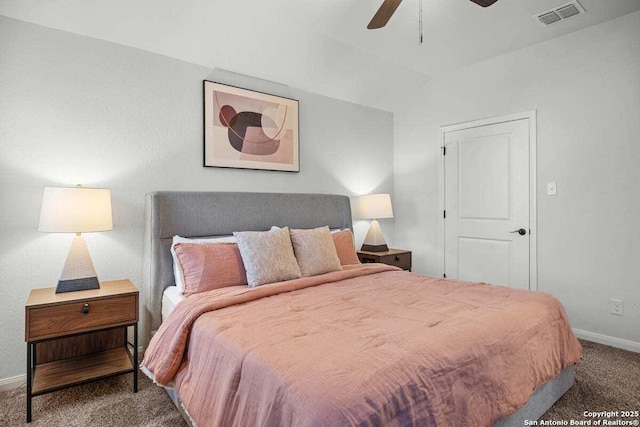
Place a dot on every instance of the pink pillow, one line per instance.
(210, 266)
(345, 247)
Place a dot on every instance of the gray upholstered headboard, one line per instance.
(199, 214)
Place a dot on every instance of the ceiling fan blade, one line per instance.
(484, 3)
(383, 14)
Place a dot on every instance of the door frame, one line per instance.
(533, 211)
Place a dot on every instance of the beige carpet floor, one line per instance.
(608, 379)
(109, 402)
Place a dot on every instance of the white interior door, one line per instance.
(486, 200)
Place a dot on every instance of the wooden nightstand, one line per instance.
(397, 257)
(78, 337)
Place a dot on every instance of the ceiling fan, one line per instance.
(387, 9)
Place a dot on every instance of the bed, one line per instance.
(196, 214)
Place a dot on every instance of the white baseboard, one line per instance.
(607, 340)
(13, 382)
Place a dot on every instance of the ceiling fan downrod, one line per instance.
(420, 23)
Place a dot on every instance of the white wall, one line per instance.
(78, 110)
(586, 89)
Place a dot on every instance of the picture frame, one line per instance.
(246, 129)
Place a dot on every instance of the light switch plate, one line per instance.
(552, 190)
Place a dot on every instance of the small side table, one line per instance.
(77, 337)
(398, 257)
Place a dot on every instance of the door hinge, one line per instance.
(444, 214)
(444, 275)
(444, 150)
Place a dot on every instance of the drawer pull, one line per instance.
(397, 257)
(85, 308)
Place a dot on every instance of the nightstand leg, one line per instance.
(29, 380)
(135, 358)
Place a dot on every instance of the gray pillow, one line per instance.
(315, 251)
(267, 256)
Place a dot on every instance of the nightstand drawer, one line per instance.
(396, 257)
(399, 260)
(70, 318)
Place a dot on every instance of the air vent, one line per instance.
(549, 18)
(559, 13)
(568, 11)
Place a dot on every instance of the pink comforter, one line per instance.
(366, 346)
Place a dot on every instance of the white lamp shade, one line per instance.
(375, 206)
(75, 210)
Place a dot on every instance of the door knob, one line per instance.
(520, 231)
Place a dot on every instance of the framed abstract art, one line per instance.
(249, 130)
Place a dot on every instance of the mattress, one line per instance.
(170, 298)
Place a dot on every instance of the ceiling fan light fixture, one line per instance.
(484, 3)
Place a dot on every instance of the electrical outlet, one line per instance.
(616, 307)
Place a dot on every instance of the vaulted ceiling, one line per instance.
(321, 46)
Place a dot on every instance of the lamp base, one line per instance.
(374, 241)
(374, 248)
(77, 285)
(78, 273)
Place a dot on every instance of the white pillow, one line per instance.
(332, 230)
(177, 270)
(267, 256)
(315, 251)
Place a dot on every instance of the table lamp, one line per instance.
(76, 210)
(374, 207)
